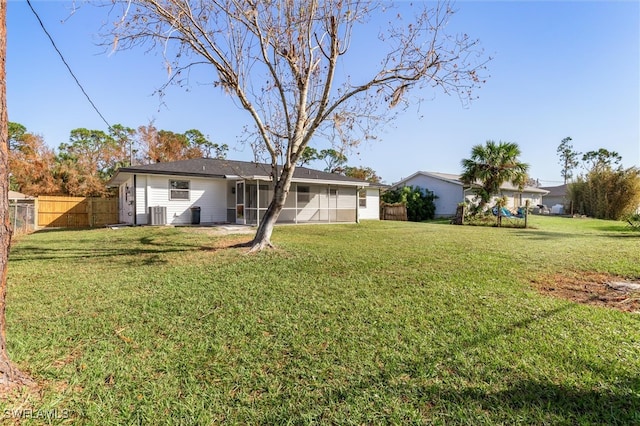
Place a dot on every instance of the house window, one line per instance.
(362, 198)
(178, 189)
(304, 194)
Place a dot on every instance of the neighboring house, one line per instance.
(556, 195)
(451, 191)
(225, 191)
(559, 195)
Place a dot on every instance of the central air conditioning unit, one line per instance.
(157, 215)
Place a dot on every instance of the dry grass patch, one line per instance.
(592, 288)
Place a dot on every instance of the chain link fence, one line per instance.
(23, 217)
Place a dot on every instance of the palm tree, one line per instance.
(490, 166)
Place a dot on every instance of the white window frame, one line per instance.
(362, 198)
(174, 189)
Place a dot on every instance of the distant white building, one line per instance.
(556, 195)
(451, 191)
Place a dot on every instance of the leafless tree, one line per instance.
(284, 62)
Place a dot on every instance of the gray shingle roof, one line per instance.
(209, 167)
(556, 191)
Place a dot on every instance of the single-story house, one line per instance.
(451, 191)
(209, 190)
(557, 196)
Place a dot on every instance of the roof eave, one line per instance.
(332, 182)
(123, 175)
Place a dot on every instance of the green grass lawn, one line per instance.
(382, 322)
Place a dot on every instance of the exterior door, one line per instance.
(126, 204)
(333, 205)
(240, 196)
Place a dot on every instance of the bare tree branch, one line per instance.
(279, 59)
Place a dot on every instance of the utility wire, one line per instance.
(67, 65)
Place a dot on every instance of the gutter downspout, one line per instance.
(358, 189)
(135, 201)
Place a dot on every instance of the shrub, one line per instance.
(420, 202)
(607, 194)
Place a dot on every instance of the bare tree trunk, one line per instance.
(10, 376)
(262, 238)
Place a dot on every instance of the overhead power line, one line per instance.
(66, 64)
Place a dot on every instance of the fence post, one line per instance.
(36, 219)
(90, 211)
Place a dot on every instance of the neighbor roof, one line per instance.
(455, 179)
(556, 191)
(227, 169)
(13, 195)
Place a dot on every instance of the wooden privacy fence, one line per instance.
(76, 212)
(396, 211)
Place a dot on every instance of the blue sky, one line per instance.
(559, 69)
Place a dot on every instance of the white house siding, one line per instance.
(449, 194)
(203, 193)
(372, 208)
(151, 191)
(514, 199)
(517, 199)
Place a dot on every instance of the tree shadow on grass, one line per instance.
(627, 234)
(533, 234)
(519, 399)
(148, 252)
(530, 399)
(227, 245)
(614, 231)
(62, 230)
